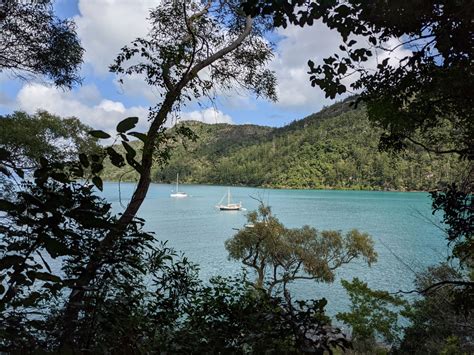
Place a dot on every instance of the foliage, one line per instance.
(48, 136)
(422, 99)
(409, 97)
(373, 315)
(335, 148)
(186, 38)
(435, 318)
(456, 204)
(231, 316)
(280, 255)
(34, 41)
(55, 220)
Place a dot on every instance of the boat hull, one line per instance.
(230, 208)
(179, 195)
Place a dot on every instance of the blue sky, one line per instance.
(104, 26)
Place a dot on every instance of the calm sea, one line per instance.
(406, 234)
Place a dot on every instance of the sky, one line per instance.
(104, 26)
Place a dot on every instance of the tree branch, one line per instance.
(438, 285)
(436, 151)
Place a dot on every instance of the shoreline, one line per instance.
(273, 187)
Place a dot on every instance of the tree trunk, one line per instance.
(76, 296)
(260, 277)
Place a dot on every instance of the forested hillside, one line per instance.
(335, 148)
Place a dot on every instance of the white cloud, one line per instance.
(290, 64)
(104, 115)
(134, 85)
(316, 42)
(209, 115)
(105, 26)
(88, 94)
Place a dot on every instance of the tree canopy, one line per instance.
(115, 289)
(280, 255)
(373, 315)
(34, 41)
(142, 296)
(43, 135)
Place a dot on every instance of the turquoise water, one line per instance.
(405, 233)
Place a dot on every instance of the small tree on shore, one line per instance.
(281, 255)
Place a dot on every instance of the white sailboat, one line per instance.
(230, 206)
(178, 193)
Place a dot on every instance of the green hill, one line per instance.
(335, 148)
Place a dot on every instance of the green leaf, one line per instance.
(95, 157)
(19, 172)
(351, 43)
(141, 136)
(4, 154)
(55, 248)
(133, 163)
(97, 181)
(9, 261)
(130, 151)
(127, 124)
(96, 168)
(99, 134)
(6, 205)
(4, 170)
(84, 160)
(30, 301)
(115, 158)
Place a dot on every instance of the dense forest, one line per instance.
(335, 148)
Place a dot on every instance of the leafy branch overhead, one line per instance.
(410, 97)
(34, 41)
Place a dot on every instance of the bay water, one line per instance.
(407, 237)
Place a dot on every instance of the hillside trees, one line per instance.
(442, 318)
(26, 139)
(193, 50)
(334, 148)
(34, 41)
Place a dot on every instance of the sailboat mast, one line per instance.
(228, 196)
(177, 175)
